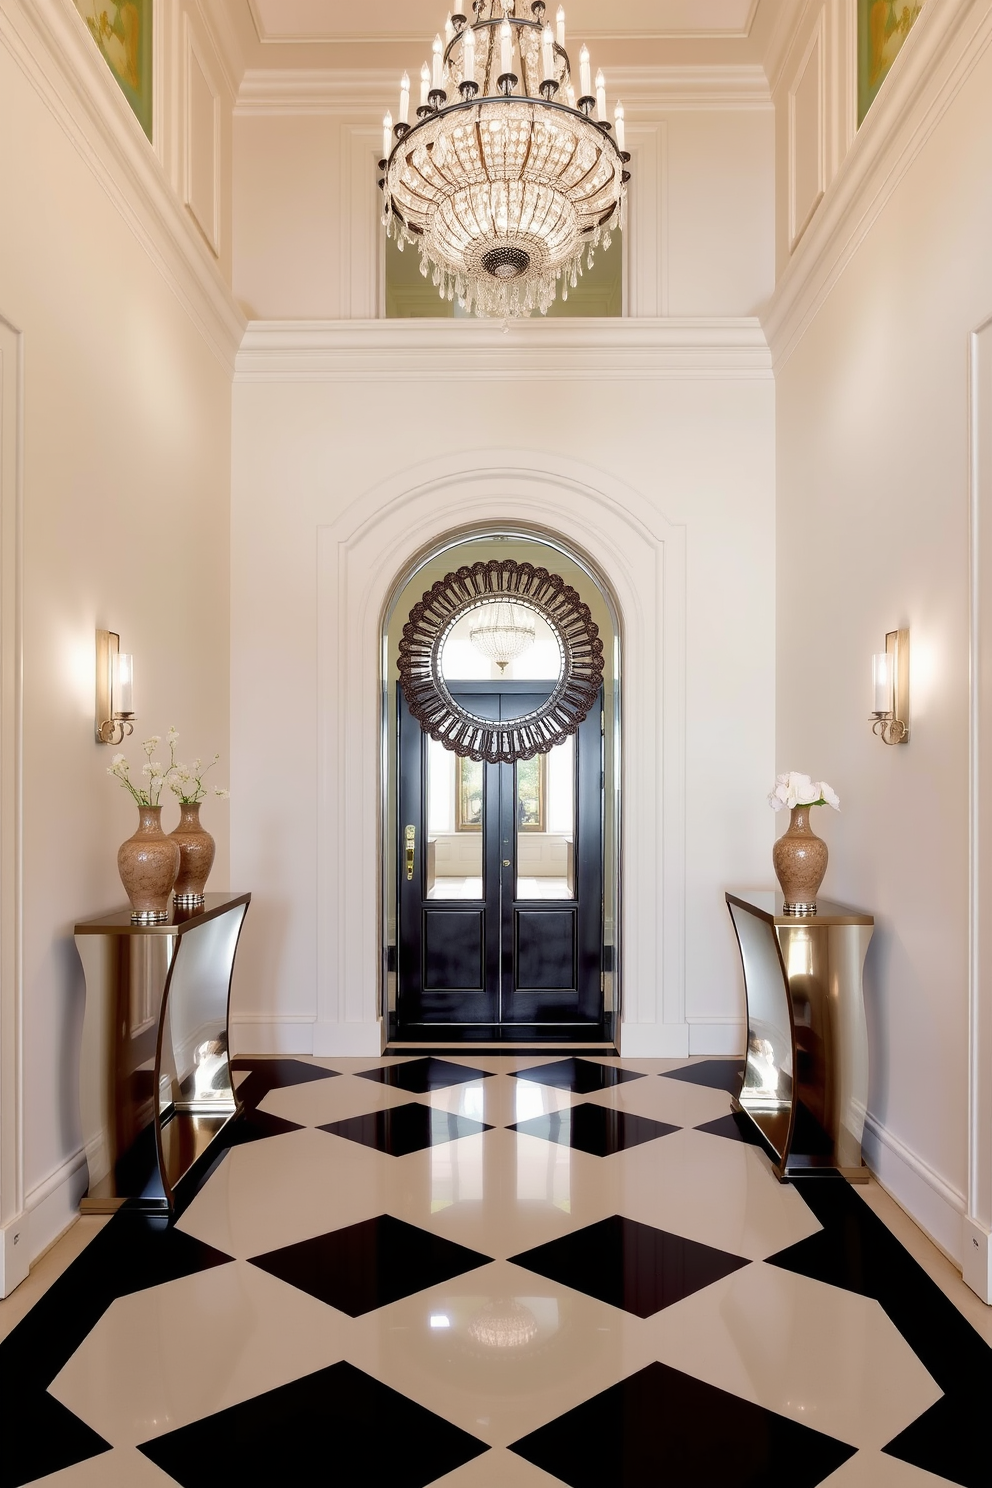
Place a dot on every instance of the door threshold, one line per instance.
(486, 1046)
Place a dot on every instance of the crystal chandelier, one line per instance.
(503, 633)
(507, 182)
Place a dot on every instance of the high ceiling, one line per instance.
(373, 34)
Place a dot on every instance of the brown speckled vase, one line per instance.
(800, 861)
(148, 863)
(196, 856)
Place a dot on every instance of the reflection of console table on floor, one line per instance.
(806, 1074)
(155, 1080)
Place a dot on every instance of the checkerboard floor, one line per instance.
(496, 1272)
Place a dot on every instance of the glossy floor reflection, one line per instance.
(496, 1272)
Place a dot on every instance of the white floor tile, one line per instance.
(163, 1357)
(714, 1190)
(500, 1351)
(828, 1358)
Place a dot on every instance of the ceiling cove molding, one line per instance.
(217, 21)
(348, 91)
(586, 350)
(938, 57)
(731, 33)
(49, 41)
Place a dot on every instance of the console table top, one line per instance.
(179, 921)
(767, 903)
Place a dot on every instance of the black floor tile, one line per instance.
(854, 1250)
(736, 1126)
(369, 1265)
(661, 1427)
(255, 1126)
(582, 1076)
(41, 1437)
(717, 1074)
(337, 1426)
(405, 1129)
(630, 1265)
(594, 1129)
(420, 1075)
(274, 1074)
(131, 1252)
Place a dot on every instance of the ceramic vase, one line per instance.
(148, 863)
(800, 861)
(196, 856)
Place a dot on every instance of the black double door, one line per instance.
(500, 924)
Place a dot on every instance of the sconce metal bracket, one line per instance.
(893, 728)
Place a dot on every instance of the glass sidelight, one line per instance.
(455, 825)
(544, 793)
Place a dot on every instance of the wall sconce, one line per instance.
(114, 689)
(890, 689)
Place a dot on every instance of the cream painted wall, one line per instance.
(309, 449)
(126, 475)
(873, 533)
(701, 211)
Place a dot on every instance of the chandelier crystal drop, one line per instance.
(503, 632)
(507, 183)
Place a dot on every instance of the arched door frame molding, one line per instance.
(361, 558)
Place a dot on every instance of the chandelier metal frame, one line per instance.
(445, 718)
(504, 193)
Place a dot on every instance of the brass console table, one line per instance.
(806, 1073)
(155, 1080)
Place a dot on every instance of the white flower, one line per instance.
(118, 759)
(146, 768)
(172, 737)
(150, 745)
(796, 789)
(222, 793)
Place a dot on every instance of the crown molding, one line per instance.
(938, 57)
(790, 22)
(350, 91)
(568, 350)
(50, 43)
(732, 33)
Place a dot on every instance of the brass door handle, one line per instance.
(411, 850)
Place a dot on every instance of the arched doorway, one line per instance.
(500, 914)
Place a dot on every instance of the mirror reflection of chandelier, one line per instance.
(502, 632)
(507, 181)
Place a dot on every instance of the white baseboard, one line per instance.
(49, 1209)
(654, 1040)
(976, 1261)
(263, 1033)
(15, 1254)
(349, 1040)
(720, 1039)
(927, 1198)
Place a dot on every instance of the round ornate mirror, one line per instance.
(505, 608)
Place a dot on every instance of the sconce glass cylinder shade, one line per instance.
(881, 682)
(122, 684)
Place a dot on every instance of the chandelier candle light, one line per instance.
(505, 183)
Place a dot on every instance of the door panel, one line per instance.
(545, 950)
(454, 950)
(501, 922)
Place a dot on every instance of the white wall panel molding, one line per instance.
(50, 43)
(15, 1253)
(790, 23)
(355, 92)
(360, 558)
(272, 1033)
(646, 239)
(393, 350)
(362, 241)
(202, 154)
(217, 23)
(807, 125)
(717, 1036)
(936, 60)
(977, 1247)
(934, 1204)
